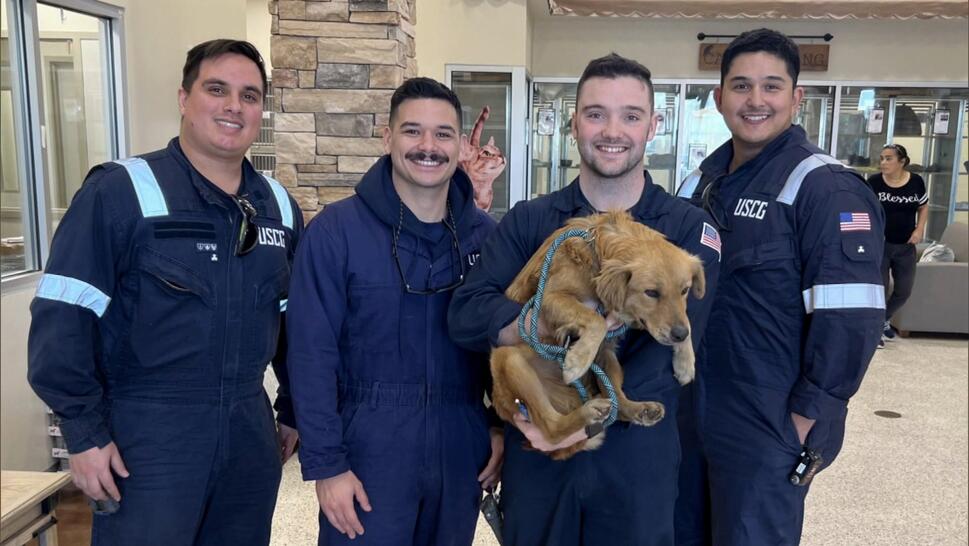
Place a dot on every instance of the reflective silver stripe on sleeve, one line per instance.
(793, 184)
(689, 184)
(73, 292)
(282, 199)
(282, 305)
(150, 197)
(844, 296)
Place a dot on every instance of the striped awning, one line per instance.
(765, 9)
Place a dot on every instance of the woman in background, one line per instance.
(905, 200)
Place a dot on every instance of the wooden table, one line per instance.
(27, 506)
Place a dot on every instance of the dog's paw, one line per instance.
(645, 414)
(577, 364)
(596, 410)
(684, 374)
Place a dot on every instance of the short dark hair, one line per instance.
(217, 48)
(900, 151)
(768, 41)
(614, 66)
(425, 88)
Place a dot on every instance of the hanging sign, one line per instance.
(814, 57)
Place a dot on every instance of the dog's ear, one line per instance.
(699, 279)
(612, 283)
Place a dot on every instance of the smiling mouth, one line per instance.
(755, 118)
(228, 124)
(611, 149)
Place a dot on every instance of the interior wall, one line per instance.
(258, 28)
(486, 32)
(157, 37)
(24, 444)
(860, 51)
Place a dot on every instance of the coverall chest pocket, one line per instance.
(171, 327)
(262, 328)
(373, 320)
(760, 289)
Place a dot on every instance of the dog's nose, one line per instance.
(679, 333)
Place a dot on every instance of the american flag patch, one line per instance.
(710, 237)
(855, 221)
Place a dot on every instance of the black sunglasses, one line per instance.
(248, 234)
(713, 206)
(455, 249)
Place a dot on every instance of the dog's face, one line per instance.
(649, 289)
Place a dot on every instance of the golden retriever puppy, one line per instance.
(632, 271)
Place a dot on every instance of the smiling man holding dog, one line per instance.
(798, 313)
(624, 492)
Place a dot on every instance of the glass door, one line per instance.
(817, 113)
(929, 122)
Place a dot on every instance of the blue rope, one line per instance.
(555, 352)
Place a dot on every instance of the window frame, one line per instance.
(31, 127)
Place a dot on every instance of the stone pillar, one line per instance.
(335, 66)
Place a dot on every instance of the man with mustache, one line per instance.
(624, 492)
(156, 316)
(797, 316)
(390, 411)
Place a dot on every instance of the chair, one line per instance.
(940, 297)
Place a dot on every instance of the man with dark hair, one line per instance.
(798, 312)
(390, 411)
(159, 309)
(623, 492)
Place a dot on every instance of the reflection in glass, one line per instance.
(74, 102)
(12, 255)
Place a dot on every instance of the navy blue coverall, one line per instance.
(378, 386)
(147, 330)
(795, 322)
(624, 492)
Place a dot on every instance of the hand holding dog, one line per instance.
(336, 496)
(509, 334)
(538, 440)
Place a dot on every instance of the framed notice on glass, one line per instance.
(940, 125)
(697, 153)
(876, 120)
(664, 121)
(546, 121)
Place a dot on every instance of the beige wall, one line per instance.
(487, 32)
(24, 444)
(861, 50)
(258, 25)
(157, 36)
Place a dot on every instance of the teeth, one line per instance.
(229, 124)
(426, 163)
(756, 118)
(612, 149)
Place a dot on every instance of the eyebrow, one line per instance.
(627, 108)
(415, 125)
(217, 81)
(736, 79)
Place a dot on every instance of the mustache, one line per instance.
(425, 156)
